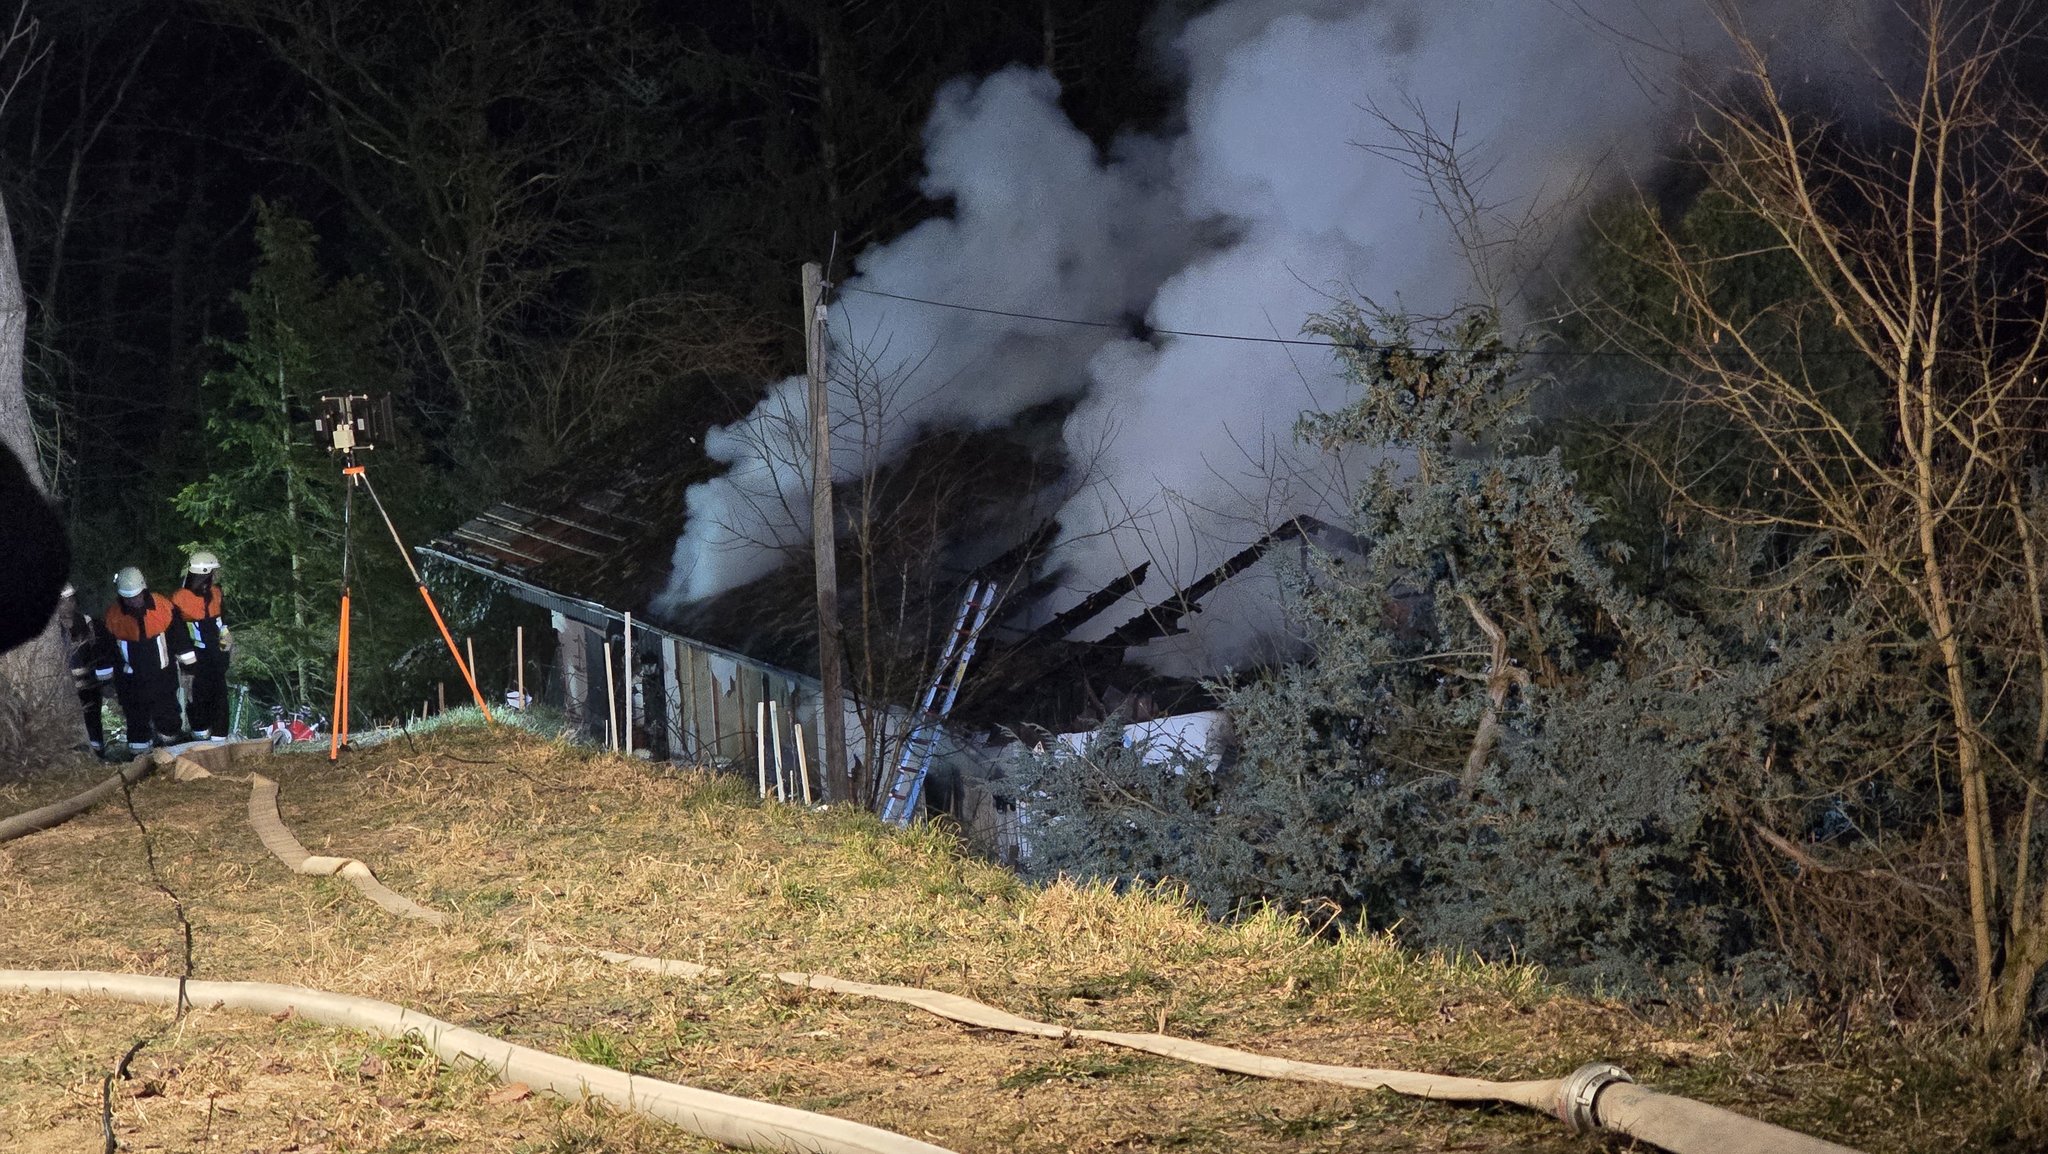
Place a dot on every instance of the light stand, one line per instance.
(352, 424)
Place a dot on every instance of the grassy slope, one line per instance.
(533, 844)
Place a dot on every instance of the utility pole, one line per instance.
(832, 696)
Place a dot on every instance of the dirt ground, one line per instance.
(538, 851)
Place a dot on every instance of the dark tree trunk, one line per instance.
(38, 717)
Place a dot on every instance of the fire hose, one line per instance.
(59, 812)
(1597, 1096)
(734, 1121)
(270, 829)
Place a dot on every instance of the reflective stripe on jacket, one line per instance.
(201, 615)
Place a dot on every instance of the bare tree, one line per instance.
(907, 519)
(35, 704)
(1919, 492)
(493, 150)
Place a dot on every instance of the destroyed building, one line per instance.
(593, 548)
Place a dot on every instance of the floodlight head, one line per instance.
(353, 422)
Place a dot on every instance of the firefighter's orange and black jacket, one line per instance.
(148, 642)
(200, 618)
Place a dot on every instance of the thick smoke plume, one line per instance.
(1292, 182)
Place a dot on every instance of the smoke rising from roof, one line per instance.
(1288, 185)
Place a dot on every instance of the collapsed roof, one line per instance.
(600, 540)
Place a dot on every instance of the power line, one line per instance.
(1125, 326)
(1141, 329)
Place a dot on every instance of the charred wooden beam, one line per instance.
(1019, 557)
(1091, 605)
(1163, 619)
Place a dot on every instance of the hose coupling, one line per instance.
(1576, 1094)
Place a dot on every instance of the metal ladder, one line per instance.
(907, 787)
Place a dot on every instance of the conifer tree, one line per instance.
(270, 503)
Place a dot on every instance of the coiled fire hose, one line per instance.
(1594, 1097)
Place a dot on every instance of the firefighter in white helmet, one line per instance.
(198, 600)
(148, 647)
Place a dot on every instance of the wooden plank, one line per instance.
(686, 699)
(529, 532)
(464, 533)
(558, 519)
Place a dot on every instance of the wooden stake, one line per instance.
(441, 697)
(775, 734)
(824, 549)
(611, 700)
(519, 649)
(803, 765)
(761, 746)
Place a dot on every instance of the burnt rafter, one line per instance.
(1091, 605)
(1163, 619)
(1020, 556)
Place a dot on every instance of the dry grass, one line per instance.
(532, 845)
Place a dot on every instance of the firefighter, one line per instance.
(90, 651)
(148, 646)
(198, 601)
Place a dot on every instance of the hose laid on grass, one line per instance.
(740, 1122)
(59, 812)
(270, 829)
(1597, 1096)
(201, 759)
(1593, 1097)
(190, 760)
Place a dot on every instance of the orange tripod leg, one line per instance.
(433, 609)
(340, 726)
(456, 653)
(338, 733)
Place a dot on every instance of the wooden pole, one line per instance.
(611, 700)
(803, 765)
(519, 649)
(626, 678)
(832, 711)
(440, 697)
(775, 736)
(761, 746)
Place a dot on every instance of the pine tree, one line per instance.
(271, 502)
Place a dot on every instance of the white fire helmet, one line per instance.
(128, 582)
(203, 563)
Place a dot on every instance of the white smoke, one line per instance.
(1041, 224)
(1292, 160)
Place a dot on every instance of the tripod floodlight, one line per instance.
(354, 422)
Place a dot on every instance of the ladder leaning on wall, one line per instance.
(906, 789)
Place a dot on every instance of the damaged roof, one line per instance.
(603, 533)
